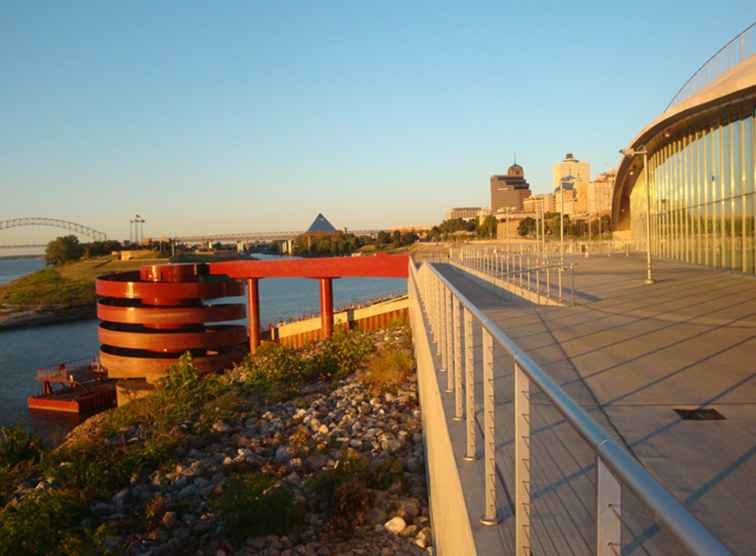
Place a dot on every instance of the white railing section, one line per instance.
(453, 320)
(531, 271)
(736, 50)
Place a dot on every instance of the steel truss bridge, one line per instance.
(258, 236)
(78, 229)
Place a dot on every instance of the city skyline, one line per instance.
(375, 116)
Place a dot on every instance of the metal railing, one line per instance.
(528, 271)
(737, 49)
(453, 320)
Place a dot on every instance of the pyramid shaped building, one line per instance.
(321, 226)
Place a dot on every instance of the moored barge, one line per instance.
(79, 387)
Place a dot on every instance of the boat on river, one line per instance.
(80, 387)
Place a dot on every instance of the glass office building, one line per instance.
(691, 170)
(702, 194)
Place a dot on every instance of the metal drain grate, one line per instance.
(700, 414)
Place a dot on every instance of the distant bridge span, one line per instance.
(55, 223)
(258, 236)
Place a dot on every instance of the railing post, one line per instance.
(561, 271)
(470, 450)
(572, 272)
(522, 461)
(528, 263)
(608, 511)
(442, 325)
(457, 359)
(491, 514)
(433, 303)
(538, 284)
(448, 341)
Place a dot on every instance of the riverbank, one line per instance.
(24, 318)
(314, 451)
(8, 257)
(58, 294)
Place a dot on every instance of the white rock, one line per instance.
(395, 525)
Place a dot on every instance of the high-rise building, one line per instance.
(565, 198)
(600, 193)
(572, 168)
(509, 190)
(465, 213)
(535, 202)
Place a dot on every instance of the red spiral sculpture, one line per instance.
(150, 317)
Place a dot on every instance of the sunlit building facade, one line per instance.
(700, 176)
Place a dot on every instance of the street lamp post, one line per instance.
(630, 153)
(561, 233)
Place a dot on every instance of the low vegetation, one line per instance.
(278, 372)
(387, 371)
(254, 504)
(66, 285)
(47, 288)
(48, 497)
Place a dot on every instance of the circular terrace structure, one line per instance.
(150, 317)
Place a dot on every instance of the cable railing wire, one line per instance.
(736, 50)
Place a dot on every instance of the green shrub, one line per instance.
(349, 351)
(387, 371)
(339, 356)
(322, 487)
(49, 522)
(98, 470)
(351, 503)
(255, 504)
(385, 473)
(17, 445)
(275, 371)
(278, 372)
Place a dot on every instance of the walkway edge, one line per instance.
(452, 534)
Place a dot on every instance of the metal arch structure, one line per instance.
(55, 223)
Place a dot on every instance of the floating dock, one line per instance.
(78, 388)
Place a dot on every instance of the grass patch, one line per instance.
(50, 522)
(46, 288)
(387, 371)
(68, 285)
(278, 372)
(254, 504)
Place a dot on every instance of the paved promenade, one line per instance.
(630, 354)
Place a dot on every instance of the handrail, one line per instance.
(685, 92)
(669, 511)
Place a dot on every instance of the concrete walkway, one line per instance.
(630, 354)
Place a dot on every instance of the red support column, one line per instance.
(253, 314)
(326, 307)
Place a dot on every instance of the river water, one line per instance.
(24, 350)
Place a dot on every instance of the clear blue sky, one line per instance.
(224, 116)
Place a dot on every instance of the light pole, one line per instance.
(630, 153)
(561, 232)
(138, 229)
(507, 212)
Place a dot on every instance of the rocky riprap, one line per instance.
(329, 421)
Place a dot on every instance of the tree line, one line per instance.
(345, 243)
(572, 228)
(66, 249)
(459, 227)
